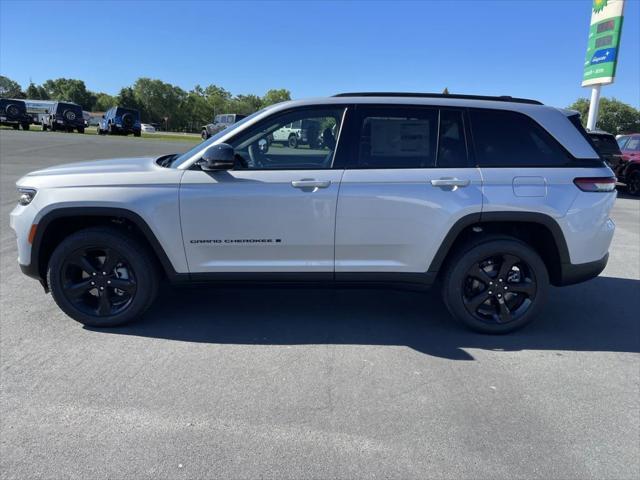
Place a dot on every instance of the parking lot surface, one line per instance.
(294, 383)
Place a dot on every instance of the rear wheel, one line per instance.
(498, 285)
(81, 130)
(15, 126)
(44, 127)
(25, 126)
(293, 141)
(204, 135)
(102, 277)
(137, 134)
(633, 183)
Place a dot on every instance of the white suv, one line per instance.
(495, 198)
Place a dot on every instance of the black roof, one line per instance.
(502, 98)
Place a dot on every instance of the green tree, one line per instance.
(614, 116)
(71, 90)
(10, 88)
(104, 102)
(245, 104)
(36, 92)
(275, 96)
(445, 91)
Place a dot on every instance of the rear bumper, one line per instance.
(571, 273)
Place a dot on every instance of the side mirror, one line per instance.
(218, 157)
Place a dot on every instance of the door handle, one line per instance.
(450, 182)
(310, 183)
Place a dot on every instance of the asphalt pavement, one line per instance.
(295, 383)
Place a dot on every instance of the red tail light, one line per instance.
(596, 184)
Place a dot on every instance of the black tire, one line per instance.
(204, 135)
(15, 126)
(512, 296)
(98, 131)
(110, 129)
(80, 259)
(293, 141)
(137, 134)
(633, 183)
(26, 126)
(81, 130)
(53, 127)
(44, 127)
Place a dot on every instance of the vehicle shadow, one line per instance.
(599, 315)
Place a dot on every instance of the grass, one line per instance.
(181, 137)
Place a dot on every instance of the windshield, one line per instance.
(201, 147)
(605, 144)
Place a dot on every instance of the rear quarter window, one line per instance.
(510, 139)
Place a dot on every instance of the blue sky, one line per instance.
(519, 47)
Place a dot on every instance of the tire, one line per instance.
(293, 141)
(110, 129)
(15, 126)
(81, 130)
(81, 257)
(633, 183)
(137, 134)
(26, 126)
(511, 300)
(98, 131)
(204, 135)
(44, 127)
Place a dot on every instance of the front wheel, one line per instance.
(81, 130)
(633, 183)
(102, 277)
(25, 126)
(498, 285)
(204, 135)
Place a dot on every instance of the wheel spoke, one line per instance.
(474, 302)
(480, 274)
(504, 315)
(81, 261)
(508, 261)
(111, 259)
(76, 289)
(526, 288)
(122, 284)
(104, 306)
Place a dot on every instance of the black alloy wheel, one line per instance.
(499, 289)
(98, 281)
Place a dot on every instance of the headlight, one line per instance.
(26, 195)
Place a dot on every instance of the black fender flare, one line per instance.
(34, 267)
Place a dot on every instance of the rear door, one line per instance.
(408, 181)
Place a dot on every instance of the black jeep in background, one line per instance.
(14, 113)
(64, 116)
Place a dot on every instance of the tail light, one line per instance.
(596, 184)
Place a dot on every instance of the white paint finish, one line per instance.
(529, 187)
(594, 106)
(253, 205)
(395, 220)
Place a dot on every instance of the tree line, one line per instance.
(179, 110)
(158, 101)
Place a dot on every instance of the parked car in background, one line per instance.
(147, 128)
(607, 147)
(65, 116)
(120, 121)
(301, 132)
(628, 170)
(220, 122)
(14, 113)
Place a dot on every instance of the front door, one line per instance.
(274, 212)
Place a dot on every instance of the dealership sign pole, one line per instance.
(602, 51)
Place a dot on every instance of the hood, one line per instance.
(103, 173)
(96, 167)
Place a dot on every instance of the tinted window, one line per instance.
(452, 147)
(605, 144)
(398, 138)
(510, 139)
(271, 144)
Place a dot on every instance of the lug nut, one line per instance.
(94, 274)
(490, 292)
(104, 273)
(506, 288)
(499, 296)
(93, 283)
(101, 288)
(109, 283)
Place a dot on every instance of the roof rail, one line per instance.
(502, 98)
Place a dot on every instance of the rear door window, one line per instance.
(510, 139)
(397, 138)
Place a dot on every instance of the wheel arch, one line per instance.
(539, 230)
(57, 224)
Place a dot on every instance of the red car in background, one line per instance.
(628, 170)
